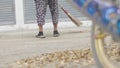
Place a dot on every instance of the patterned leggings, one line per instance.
(41, 7)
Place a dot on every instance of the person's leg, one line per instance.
(40, 27)
(41, 6)
(55, 25)
(53, 5)
(40, 34)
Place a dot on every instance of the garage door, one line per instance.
(7, 15)
(30, 13)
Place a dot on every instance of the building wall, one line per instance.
(21, 14)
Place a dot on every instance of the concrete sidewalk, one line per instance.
(15, 45)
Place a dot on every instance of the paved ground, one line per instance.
(15, 45)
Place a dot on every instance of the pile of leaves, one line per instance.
(64, 59)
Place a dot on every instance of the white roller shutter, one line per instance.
(30, 13)
(7, 15)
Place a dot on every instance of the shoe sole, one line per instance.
(40, 36)
(56, 35)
